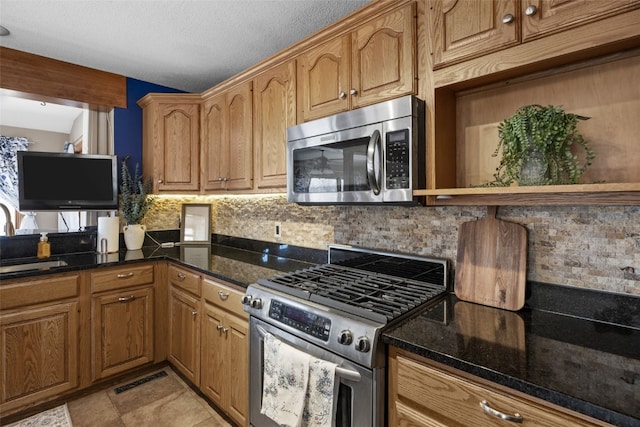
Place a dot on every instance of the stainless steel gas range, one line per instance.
(336, 312)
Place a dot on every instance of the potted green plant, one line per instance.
(135, 201)
(537, 147)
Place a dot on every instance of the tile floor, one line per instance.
(165, 401)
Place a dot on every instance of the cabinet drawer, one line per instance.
(28, 292)
(185, 279)
(447, 399)
(121, 277)
(224, 296)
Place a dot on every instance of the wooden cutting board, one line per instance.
(491, 265)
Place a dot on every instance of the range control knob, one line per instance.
(345, 337)
(246, 300)
(256, 303)
(363, 344)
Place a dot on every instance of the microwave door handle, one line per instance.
(374, 149)
(347, 374)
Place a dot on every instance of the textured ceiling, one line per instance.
(189, 45)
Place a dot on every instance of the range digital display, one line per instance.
(302, 320)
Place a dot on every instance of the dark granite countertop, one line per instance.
(239, 261)
(587, 366)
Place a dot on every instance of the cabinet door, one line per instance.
(39, 354)
(552, 16)
(240, 119)
(466, 29)
(214, 353)
(122, 331)
(384, 58)
(215, 144)
(178, 149)
(184, 334)
(275, 110)
(323, 79)
(237, 338)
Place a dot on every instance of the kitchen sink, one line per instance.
(36, 265)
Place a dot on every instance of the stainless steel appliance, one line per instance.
(375, 154)
(336, 312)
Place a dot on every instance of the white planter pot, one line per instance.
(134, 236)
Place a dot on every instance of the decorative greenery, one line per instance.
(548, 132)
(134, 194)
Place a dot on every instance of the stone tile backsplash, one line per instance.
(596, 247)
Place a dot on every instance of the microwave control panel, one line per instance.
(397, 153)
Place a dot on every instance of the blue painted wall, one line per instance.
(127, 132)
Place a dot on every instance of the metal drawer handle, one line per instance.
(124, 275)
(515, 418)
(181, 276)
(223, 296)
(126, 299)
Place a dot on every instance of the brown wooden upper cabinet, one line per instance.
(374, 62)
(464, 29)
(171, 141)
(274, 99)
(227, 139)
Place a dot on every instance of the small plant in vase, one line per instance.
(536, 144)
(135, 201)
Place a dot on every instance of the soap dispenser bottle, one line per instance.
(44, 247)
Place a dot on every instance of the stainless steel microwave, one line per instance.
(375, 154)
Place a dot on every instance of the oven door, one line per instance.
(340, 167)
(356, 395)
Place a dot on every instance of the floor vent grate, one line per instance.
(136, 383)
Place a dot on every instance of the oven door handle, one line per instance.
(347, 374)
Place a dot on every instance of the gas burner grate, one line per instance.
(376, 295)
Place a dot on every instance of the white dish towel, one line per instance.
(320, 405)
(298, 389)
(284, 382)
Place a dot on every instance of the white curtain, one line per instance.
(9, 147)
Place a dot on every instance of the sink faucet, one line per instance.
(9, 230)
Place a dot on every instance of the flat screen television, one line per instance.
(63, 181)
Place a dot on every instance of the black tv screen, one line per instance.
(63, 181)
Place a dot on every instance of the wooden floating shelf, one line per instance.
(579, 194)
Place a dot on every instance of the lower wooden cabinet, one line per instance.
(184, 333)
(424, 394)
(122, 331)
(39, 336)
(122, 313)
(225, 350)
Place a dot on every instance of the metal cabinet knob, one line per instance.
(223, 296)
(353, 92)
(508, 18)
(160, 181)
(531, 10)
(222, 329)
(342, 95)
(181, 276)
(194, 313)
